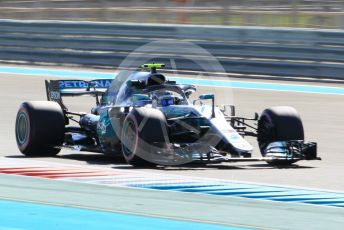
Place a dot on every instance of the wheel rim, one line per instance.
(129, 139)
(22, 128)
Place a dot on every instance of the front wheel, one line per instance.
(143, 134)
(281, 123)
(39, 128)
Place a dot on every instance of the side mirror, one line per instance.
(140, 97)
(206, 96)
(211, 97)
(256, 116)
(136, 83)
(188, 92)
(91, 84)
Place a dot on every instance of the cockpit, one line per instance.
(142, 88)
(158, 97)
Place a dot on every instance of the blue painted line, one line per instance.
(207, 189)
(241, 192)
(55, 72)
(269, 195)
(339, 205)
(303, 198)
(229, 190)
(180, 187)
(262, 86)
(59, 73)
(326, 201)
(254, 191)
(20, 215)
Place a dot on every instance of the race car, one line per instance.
(150, 121)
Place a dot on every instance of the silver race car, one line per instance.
(150, 121)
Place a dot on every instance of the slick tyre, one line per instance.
(281, 123)
(143, 131)
(39, 128)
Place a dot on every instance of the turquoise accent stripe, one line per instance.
(22, 137)
(261, 86)
(21, 215)
(55, 72)
(253, 191)
(59, 73)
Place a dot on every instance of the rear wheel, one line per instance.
(40, 128)
(142, 135)
(281, 123)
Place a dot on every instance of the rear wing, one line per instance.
(56, 89)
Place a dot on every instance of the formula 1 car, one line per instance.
(151, 121)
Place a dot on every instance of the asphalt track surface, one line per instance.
(323, 118)
(322, 115)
